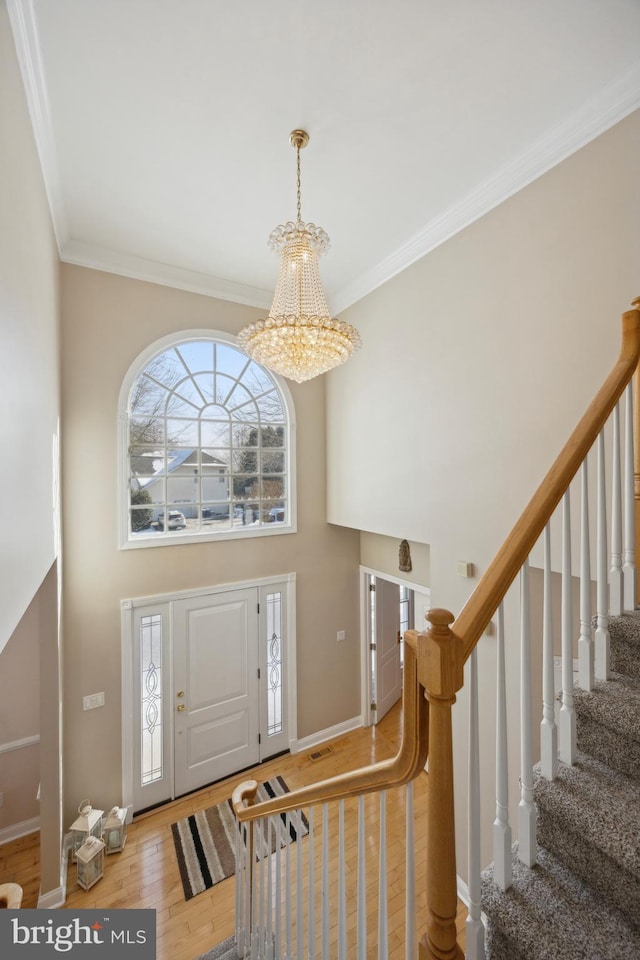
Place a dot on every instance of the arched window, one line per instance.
(206, 444)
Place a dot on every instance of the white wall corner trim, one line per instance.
(594, 118)
(55, 898)
(25, 35)
(330, 733)
(17, 830)
(127, 265)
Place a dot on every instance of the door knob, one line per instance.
(180, 707)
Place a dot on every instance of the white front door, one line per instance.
(216, 687)
(388, 671)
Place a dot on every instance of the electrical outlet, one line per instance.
(341, 635)
(1, 798)
(92, 701)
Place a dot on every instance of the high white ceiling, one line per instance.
(163, 125)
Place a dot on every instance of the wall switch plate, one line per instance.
(340, 636)
(92, 701)
(1, 799)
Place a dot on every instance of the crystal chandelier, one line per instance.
(298, 339)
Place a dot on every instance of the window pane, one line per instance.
(274, 664)
(207, 440)
(151, 698)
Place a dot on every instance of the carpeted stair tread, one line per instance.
(226, 950)
(607, 723)
(548, 913)
(624, 634)
(588, 817)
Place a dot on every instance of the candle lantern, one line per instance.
(90, 861)
(88, 824)
(114, 830)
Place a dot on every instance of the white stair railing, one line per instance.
(585, 655)
(274, 907)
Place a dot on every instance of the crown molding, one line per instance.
(25, 36)
(101, 258)
(610, 106)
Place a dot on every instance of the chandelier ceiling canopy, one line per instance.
(299, 339)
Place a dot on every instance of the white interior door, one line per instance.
(216, 687)
(388, 672)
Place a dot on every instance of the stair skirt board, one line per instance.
(582, 900)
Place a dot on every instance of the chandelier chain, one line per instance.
(298, 182)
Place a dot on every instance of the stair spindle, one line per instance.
(383, 926)
(411, 937)
(342, 893)
(585, 641)
(299, 913)
(312, 893)
(616, 579)
(567, 727)
(602, 640)
(288, 921)
(501, 825)
(526, 810)
(548, 729)
(361, 920)
(474, 926)
(325, 881)
(629, 576)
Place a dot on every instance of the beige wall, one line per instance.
(107, 322)
(29, 355)
(29, 411)
(20, 719)
(381, 554)
(499, 340)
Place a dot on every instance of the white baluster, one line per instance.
(601, 668)
(325, 882)
(263, 864)
(411, 948)
(299, 913)
(239, 880)
(288, 896)
(526, 810)
(616, 579)
(312, 892)
(474, 926)
(501, 825)
(269, 867)
(585, 641)
(248, 872)
(276, 906)
(252, 934)
(629, 576)
(567, 721)
(383, 926)
(342, 891)
(548, 729)
(361, 938)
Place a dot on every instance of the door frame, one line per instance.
(127, 673)
(422, 595)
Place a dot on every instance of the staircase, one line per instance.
(582, 899)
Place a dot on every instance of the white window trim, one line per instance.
(138, 365)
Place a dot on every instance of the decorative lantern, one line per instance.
(114, 830)
(88, 824)
(90, 860)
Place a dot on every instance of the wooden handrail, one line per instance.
(402, 768)
(488, 595)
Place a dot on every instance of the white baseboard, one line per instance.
(17, 830)
(306, 743)
(463, 891)
(53, 899)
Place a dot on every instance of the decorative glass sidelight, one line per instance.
(151, 698)
(274, 664)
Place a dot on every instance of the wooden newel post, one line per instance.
(440, 671)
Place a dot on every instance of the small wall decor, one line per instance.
(404, 557)
(88, 824)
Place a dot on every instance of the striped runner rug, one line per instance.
(205, 842)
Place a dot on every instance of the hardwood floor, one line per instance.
(146, 874)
